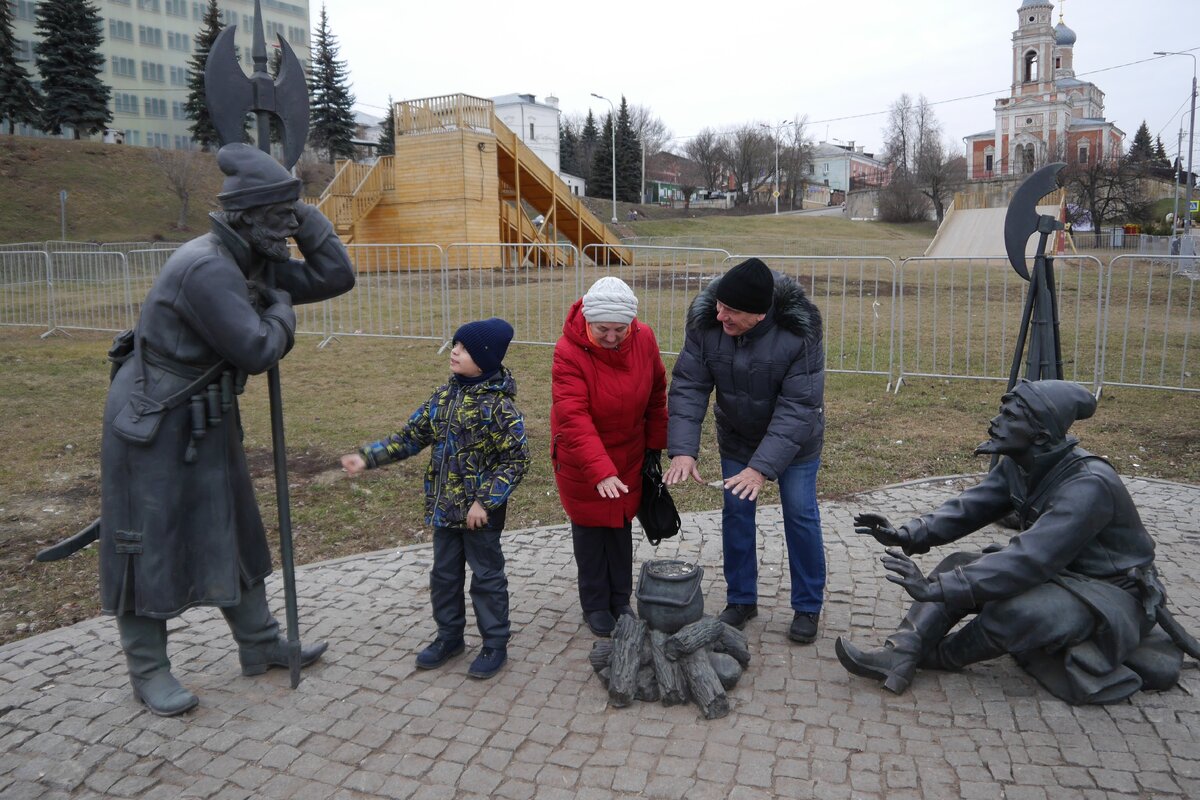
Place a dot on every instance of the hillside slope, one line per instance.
(114, 193)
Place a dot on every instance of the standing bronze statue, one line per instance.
(179, 524)
(1073, 596)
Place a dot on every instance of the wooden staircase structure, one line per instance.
(354, 192)
(460, 175)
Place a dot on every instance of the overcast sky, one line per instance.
(701, 64)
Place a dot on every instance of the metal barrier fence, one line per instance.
(1129, 324)
(1150, 323)
(25, 288)
(959, 317)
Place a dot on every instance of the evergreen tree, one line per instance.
(330, 102)
(69, 59)
(1160, 153)
(568, 148)
(18, 99)
(196, 108)
(387, 131)
(1142, 148)
(589, 140)
(599, 182)
(629, 157)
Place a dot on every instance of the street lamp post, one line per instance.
(612, 125)
(775, 132)
(1187, 217)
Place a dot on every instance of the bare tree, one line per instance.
(899, 136)
(1110, 189)
(749, 157)
(940, 172)
(795, 155)
(706, 150)
(651, 131)
(184, 171)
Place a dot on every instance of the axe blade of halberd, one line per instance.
(231, 95)
(1022, 218)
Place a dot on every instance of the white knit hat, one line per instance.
(610, 300)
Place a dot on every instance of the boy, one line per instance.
(478, 455)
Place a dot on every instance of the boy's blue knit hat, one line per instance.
(487, 342)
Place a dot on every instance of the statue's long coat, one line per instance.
(175, 534)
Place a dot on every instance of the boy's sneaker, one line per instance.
(488, 662)
(600, 622)
(439, 653)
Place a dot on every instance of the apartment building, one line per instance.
(147, 46)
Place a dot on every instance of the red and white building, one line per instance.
(1050, 114)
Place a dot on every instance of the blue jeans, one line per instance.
(801, 531)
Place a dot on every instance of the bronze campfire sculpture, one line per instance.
(674, 653)
(1074, 596)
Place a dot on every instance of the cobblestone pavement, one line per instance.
(365, 723)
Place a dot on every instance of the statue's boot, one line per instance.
(260, 646)
(968, 645)
(144, 641)
(896, 662)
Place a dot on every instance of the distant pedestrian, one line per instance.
(479, 453)
(609, 414)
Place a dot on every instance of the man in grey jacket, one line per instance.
(756, 338)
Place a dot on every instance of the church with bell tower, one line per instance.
(1050, 115)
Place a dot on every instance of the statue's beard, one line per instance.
(271, 244)
(990, 447)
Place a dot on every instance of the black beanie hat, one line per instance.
(487, 342)
(1056, 404)
(747, 287)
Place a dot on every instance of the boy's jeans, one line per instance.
(801, 530)
(453, 549)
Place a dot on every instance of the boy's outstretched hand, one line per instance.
(353, 463)
(476, 517)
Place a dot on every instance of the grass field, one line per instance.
(360, 389)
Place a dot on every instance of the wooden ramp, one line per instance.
(526, 180)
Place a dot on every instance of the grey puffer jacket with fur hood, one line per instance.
(770, 383)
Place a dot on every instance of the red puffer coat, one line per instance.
(610, 406)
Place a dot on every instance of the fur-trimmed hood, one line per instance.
(790, 308)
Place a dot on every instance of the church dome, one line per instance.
(1063, 35)
(1031, 3)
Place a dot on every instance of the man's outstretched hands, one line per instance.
(877, 525)
(909, 575)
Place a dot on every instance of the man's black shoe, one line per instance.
(738, 614)
(804, 627)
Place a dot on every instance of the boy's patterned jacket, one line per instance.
(479, 450)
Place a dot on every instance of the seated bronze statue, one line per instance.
(1073, 596)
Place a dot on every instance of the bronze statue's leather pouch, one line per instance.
(138, 422)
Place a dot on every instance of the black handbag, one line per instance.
(657, 513)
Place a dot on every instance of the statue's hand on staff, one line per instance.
(909, 575)
(878, 526)
(272, 296)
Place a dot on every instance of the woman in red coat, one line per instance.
(610, 407)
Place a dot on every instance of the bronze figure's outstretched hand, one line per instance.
(909, 575)
(878, 526)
